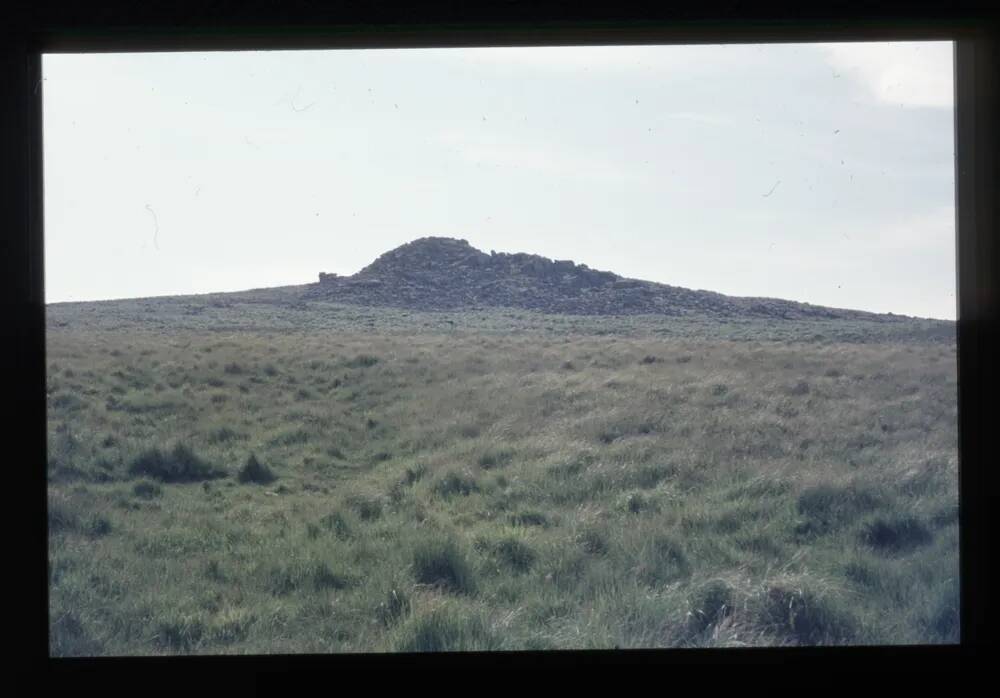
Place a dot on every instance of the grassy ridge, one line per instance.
(391, 481)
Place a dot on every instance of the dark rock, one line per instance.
(437, 273)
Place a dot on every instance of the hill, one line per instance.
(439, 273)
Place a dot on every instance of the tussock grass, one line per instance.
(896, 534)
(506, 483)
(253, 471)
(441, 562)
(455, 483)
(180, 464)
(447, 628)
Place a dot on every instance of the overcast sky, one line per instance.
(817, 173)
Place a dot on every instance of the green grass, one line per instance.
(249, 480)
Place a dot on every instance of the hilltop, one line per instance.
(440, 273)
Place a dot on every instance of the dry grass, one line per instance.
(571, 491)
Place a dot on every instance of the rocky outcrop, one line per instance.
(437, 273)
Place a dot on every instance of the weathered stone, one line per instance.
(438, 273)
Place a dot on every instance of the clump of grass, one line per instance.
(568, 469)
(367, 508)
(68, 637)
(65, 401)
(613, 432)
(234, 369)
(454, 483)
(213, 571)
(395, 607)
(253, 471)
(800, 388)
(223, 435)
(514, 554)
(635, 502)
(710, 603)
(314, 574)
(180, 464)
(663, 561)
(413, 474)
(594, 541)
(649, 476)
(805, 617)
(97, 526)
(440, 562)
(446, 629)
(529, 518)
(828, 507)
(363, 361)
(896, 533)
(337, 524)
(495, 458)
(649, 359)
(180, 634)
(62, 517)
(290, 438)
(944, 620)
(146, 489)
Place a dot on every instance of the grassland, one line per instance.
(234, 474)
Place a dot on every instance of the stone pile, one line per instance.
(437, 273)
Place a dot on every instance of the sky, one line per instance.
(821, 173)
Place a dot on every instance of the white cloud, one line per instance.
(911, 74)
